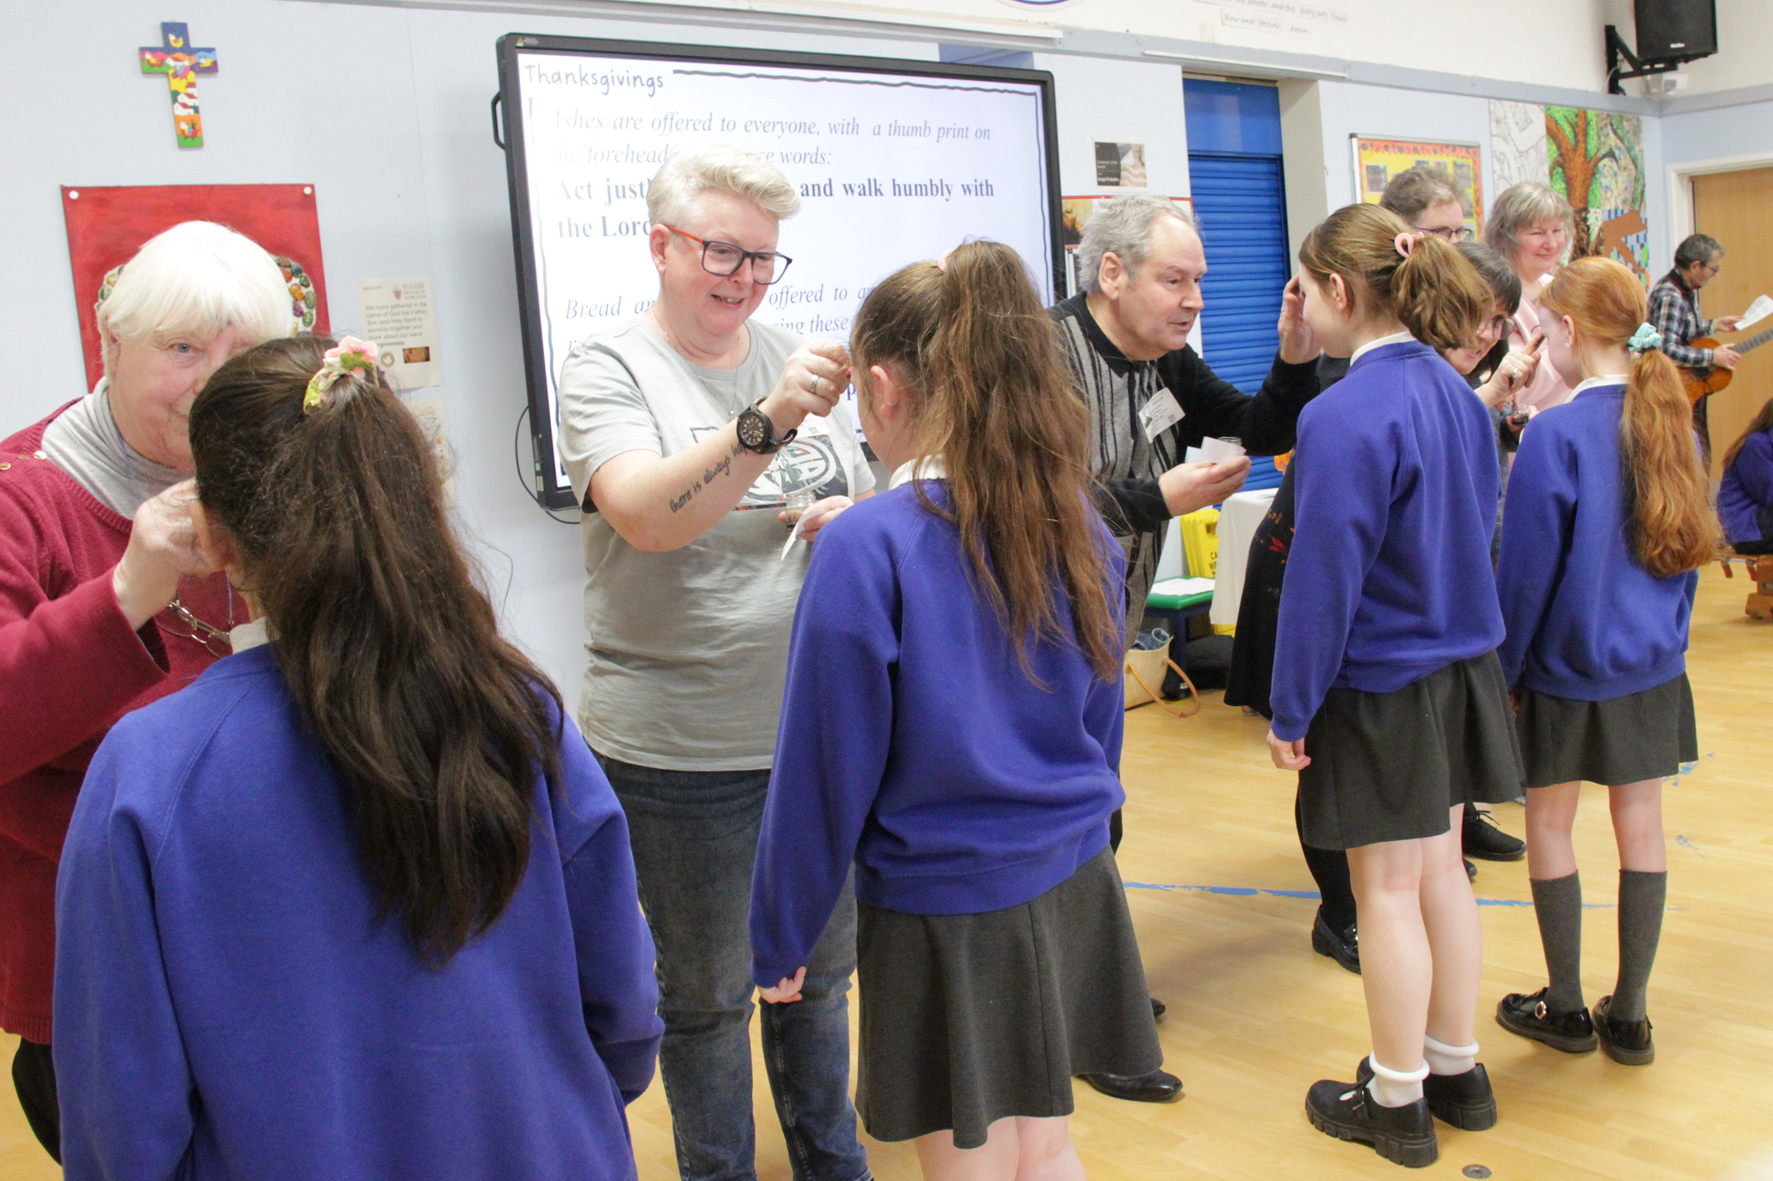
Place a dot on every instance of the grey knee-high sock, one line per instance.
(1642, 897)
(1557, 902)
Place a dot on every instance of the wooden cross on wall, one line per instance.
(181, 64)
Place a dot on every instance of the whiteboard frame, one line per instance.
(508, 120)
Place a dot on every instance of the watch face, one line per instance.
(753, 429)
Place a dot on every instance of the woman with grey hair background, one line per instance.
(683, 430)
(1530, 224)
(105, 602)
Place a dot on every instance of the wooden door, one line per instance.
(1736, 208)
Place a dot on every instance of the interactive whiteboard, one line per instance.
(894, 160)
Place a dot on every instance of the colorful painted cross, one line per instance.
(181, 64)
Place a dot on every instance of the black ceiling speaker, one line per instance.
(1676, 30)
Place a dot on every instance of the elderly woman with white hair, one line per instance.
(683, 431)
(105, 602)
(1530, 224)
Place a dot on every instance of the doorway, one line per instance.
(1731, 207)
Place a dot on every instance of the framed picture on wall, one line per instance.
(1074, 215)
(1377, 159)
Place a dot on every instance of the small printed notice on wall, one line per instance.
(432, 421)
(398, 316)
(1120, 165)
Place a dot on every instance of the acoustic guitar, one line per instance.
(1700, 382)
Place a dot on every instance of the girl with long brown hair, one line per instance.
(358, 902)
(952, 726)
(1387, 696)
(1745, 498)
(1605, 524)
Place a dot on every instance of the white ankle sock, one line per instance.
(1444, 1059)
(1395, 1088)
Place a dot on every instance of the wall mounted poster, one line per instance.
(1597, 161)
(1517, 144)
(1377, 160)
(1120, 165)
(108, 224)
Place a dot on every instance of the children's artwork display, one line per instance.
(1377, 160)
(108, 224)
(1594, 158)
(1517, 144)
(181, 64)
(1597, 161)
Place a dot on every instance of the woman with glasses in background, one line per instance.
(683, 431)
(105, 602)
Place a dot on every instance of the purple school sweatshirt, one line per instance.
(230, 1004)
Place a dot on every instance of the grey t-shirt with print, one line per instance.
(689, 648)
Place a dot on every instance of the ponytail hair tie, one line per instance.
(348, 355)
(1406, 242)
(1644, 339)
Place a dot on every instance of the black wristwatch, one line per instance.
(757, 432)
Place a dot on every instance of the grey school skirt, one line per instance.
(1389, 766)
(1645, 735)
(969, 1018)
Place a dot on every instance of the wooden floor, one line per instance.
(1255, 1017)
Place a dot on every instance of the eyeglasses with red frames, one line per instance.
(724, 258)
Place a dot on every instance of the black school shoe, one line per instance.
(1160, 1086)
(1346, 1111)
(1342, 946)
(1483, 839)
(1626, 1042)
(1463, 1100)
(1526, 1014)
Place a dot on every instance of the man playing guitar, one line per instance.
(1674, 310)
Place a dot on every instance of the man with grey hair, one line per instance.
(683, 431)
(1151, 397)
(1674, 310)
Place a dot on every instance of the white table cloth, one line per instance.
(1239, 518)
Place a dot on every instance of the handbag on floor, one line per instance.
(1145, 668)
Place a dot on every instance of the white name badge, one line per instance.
(1159, 414)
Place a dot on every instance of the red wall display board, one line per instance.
(108, 224)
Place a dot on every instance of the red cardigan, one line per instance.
(69, 668)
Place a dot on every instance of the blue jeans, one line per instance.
(694, 835)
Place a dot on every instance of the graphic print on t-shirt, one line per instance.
(810, 461)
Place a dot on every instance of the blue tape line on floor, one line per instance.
(1314, 896)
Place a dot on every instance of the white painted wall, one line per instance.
(1721, 133)
(1483, 38)
(1121, 102)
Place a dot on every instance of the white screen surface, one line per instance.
(891, 168)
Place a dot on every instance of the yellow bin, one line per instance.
(1200, 542)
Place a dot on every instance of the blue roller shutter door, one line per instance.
(1239, 192)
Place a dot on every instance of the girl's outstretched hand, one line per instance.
(786, 991)
(1288, 756)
